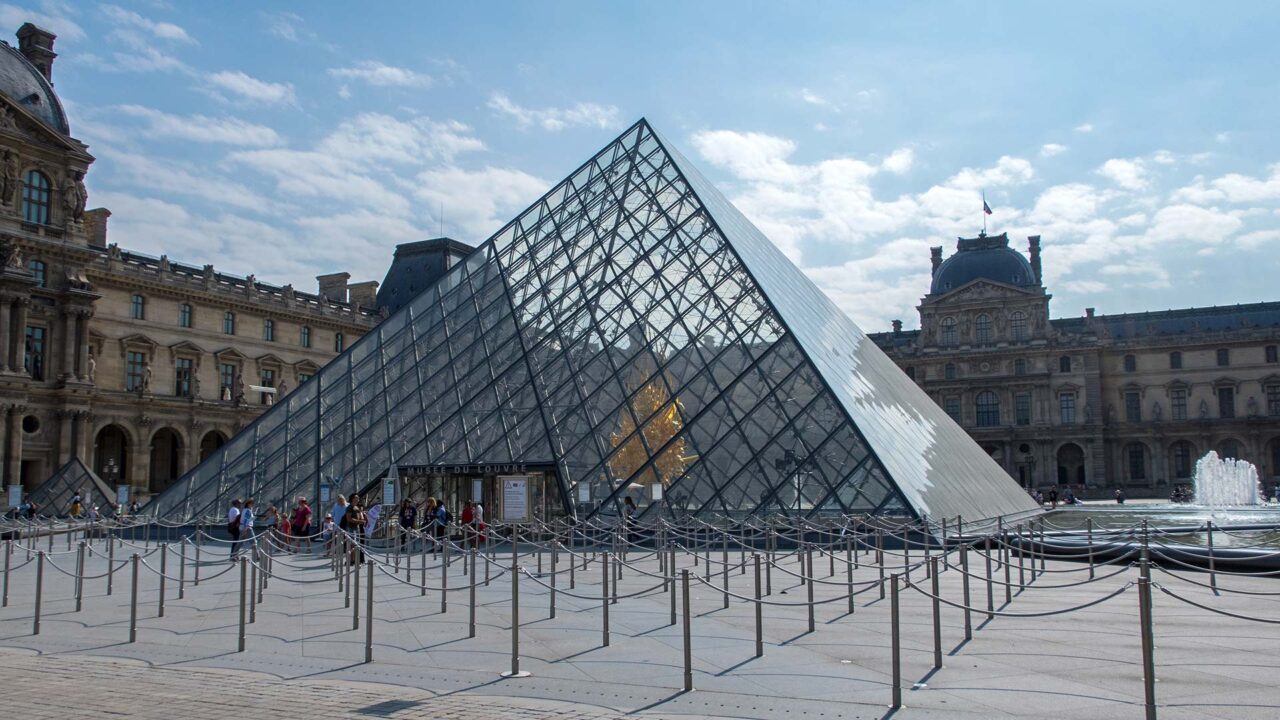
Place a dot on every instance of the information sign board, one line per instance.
(515, 498)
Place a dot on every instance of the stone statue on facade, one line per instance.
(7, 120)
(195, 383)
(93, 367)
(239, 389)
(1088, 413)
(74, 197)
(13, 258)
(145, 387)
(284, 388)
(1157, 411)
(9, 189)
(1204, 410)
(288, 292)
(1251, 407)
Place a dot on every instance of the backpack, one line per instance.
(448, 516)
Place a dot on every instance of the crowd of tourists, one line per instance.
(294, 529)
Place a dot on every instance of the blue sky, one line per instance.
(295, 138)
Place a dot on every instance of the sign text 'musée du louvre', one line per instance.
(503, 469)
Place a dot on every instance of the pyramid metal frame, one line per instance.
(629, 329)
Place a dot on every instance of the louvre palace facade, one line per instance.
(1097, 402)
(140, 366)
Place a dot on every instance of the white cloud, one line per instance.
(1222, 137)
(372, 138)
(1232, 188)
(1084, 128)
(582, 114)
(1192, 223)
(52, 17)
(283, 25)
(379, 74)
(477, 201)
(1051, 149)
(200, 128)
(899, 161)
(183, 179)
(1128, 174)
(813, 98)
(248, 87)
(161, 30)
(1163, 157)
(1259, 238)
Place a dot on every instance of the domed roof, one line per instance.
(23, 83)
(986, 257)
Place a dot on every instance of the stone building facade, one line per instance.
(1098, 402)
(139, 366)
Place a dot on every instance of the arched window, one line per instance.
(37, 268)
(338, 344)
(1130, 363)
(1018, 326)
(1175, 360)
(982, 329)
(948, 331)
(1064, 364)
(1136, 454)
(184, 315)
(229, 323)
(305, 336)
(269, 330)
(988, 409)
(949, 371)
(138, 307)
(37, 198)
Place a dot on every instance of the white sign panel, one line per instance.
(477, 490)
(15, 495)
(515, 498)
(122, 495)
(655, 491)
(388, 491)
(324, 494)
(584, 492)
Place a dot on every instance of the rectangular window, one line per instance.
(268, 380)
(1133, 406)
(1064, 364)
(1178, 398)
(227, 380)
(184, 315)
(1224, 357)
(1175, 361)
(1137, 463)
(37, 269)
(182, 377)
(138, 307)
(338, 343)
(1067, 408)
(1181, 460)
(951, 406)
(1022, 408)
(134, 367)
(1226, 402)
(1273, 402)
(229, 323)
(1272, 354)
(33, 352)
(269, 330)
(1130, 363)
(306, 336)
(303, 377)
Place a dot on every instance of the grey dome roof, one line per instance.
(23, 83)
(986, 257)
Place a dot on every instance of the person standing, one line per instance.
(338, 510)
(301, 522)
(628, 518)
(468, 520)
(246, 522)
(442, 522)
(408, 521)
(233, 525)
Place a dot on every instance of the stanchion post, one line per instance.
(759, 611)
(880, 557)
(355, 585)
(8, 553)
(555, 547)
(444, 577)
(1213, 571)
(724, 570)
(688, 633)
(809, 587)
(80, 577)
(895, 633)
(937, 614)
(471, 618)
(848, 569)
(195, 567)
(1148, 647)
(991, 605)
(1088, 529)
(368, 613)
(182, 569)
(133, 600)
(244, 585)
(604, 598)
(111, 563)
(164, 562)
(964, 584)
(35, 620)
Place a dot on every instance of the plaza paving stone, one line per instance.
(301, 651)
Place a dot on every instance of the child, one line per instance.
(327, 532)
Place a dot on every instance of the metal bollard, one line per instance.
(349, 562)
(1213, 572)
(724, 571)
(1008, 585)
(880, 558)
(368, 614)
(355, 584)
(848, 569)
(253, 591)
(8, 551)
(1148, 647)
(182, 569)
(990, 599)
(80, 577)
(673, 588)
(35, 622)
(554, 545)
(809, 589)
(896, 643)
(164, 557)
(604, 598)
(422, 570)
(133, 601)
(759, 611)
(444, 579)
(1088, 529)
(244, 577)
(471, 619)
(937, 614)
(515, 671)
(688, 640)
(964, 583)
(195, 568)
(111, 564)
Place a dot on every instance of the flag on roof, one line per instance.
(985, 207)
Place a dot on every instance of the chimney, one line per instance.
(364, 294)
(935, 256)
(334, 286)
(1088, 312)
(1033, 244)
(95, 227)
(36, 45)
(897, 327)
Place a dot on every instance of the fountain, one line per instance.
(1225, 482)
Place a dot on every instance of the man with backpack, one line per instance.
(443, 518)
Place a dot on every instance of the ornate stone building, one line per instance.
(1096, 402)
(139, 366)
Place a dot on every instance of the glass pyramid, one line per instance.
(634, 334)
(55, 494)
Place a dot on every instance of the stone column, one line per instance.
(20, 333)
(4, 447)
(140, 463)
(6, 319)
(13, 461)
